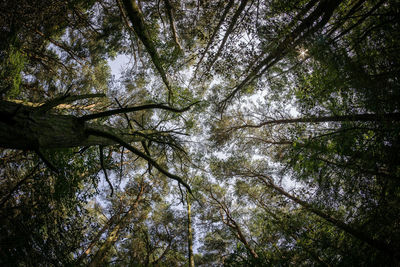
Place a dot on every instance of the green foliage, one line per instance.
(292, 153)
(12, 63)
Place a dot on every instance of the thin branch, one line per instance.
(140, 154)
(182, 198)
(339, 118)
(226, 11)
(307, 28)
(15, 188)
(378, 244)
(360, 21)
(105, 171)
(126, 116)
(46, 161)
(121, 165)
(228, 31)
(62, 46)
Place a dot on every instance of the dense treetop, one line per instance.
(238, 133)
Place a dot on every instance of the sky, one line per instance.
(118, 65)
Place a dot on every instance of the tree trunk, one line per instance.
(169, 8)
(335, 118)
(114, 235)
(228, 32)
(308, 26)
(28, 128)
(96, 239)
(381, 246)
(111, 239)
(190, 233)
(136, 17)
(243, 239)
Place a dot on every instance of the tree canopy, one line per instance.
(232, 133)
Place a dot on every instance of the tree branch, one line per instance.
(15, 188)
(169, 9)
(378, 244)
(46, 161)
(226, 11)
(136, 17)
(65, 99)
(307, 28)
(133, 109)
(338, 118)
(140, 154)
(105, 171)
(228, 31)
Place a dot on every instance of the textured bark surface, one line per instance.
(190, 232)
(24, 127)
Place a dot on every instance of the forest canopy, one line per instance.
(232, 133)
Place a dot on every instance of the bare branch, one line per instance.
(133, 109)
(228, 31)
(105, 171)
(338, 118)
(140, 154)
(62, 46)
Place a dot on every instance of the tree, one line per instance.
(278, 120)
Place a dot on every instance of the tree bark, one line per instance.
(27, 128)
(190, 232)
(169, 9)
(30, 128)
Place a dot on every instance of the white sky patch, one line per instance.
(118, 65)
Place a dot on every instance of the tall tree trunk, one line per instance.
(228, 32)
(335, 118)
(114, 235)
(308, 26)
(110, 241)
(96, 239)
(234, 226)
(136, 17)
(378, 244)
(190, 233)
(216, 29)
(24, 127)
